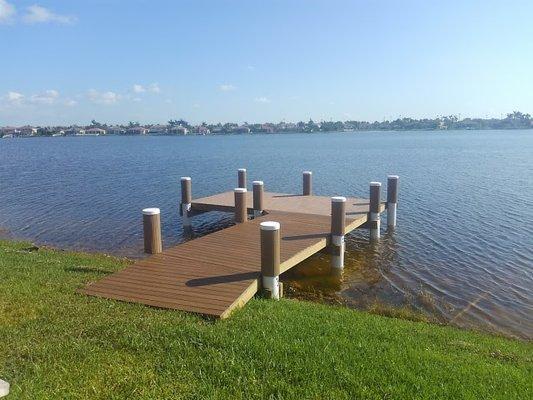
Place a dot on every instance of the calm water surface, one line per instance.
(462, 252)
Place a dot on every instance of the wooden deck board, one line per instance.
(217, 273)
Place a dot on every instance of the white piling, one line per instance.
(338, 227)
(392, 199)
(270, 258)
(186, 200)
(375, 200)
(241, 178)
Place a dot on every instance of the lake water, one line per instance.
(462, 252)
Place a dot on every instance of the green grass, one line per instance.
(56, 344)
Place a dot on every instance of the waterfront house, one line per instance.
(136, 130)
(74, 131)
(116, 130)
(158, 130)
(27, 131)
(203, 130)
(95, 131)
(178, 130)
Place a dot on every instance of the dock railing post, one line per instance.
(392, 199)
(375, 199)
(241, 209)
(338, 227)
(270, 258)
(307, 183)
(241, 178)
(186, 200)
(152, 230)
(258, 188)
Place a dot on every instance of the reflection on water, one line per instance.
(462, 252)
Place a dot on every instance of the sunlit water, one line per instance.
(462, 252)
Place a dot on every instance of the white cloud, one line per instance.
(37, 14)
(7, 12)
(226, 87)
(263, 100)
(13, 98)
(48, 97)
(103, 97)
(154, 88)
(70, 102)
(138, 88)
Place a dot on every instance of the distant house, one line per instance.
(116, 130)
(203, 130)
(178, 130)
(95, 131)
(74, 131)
(268, 128)
(27, 131)
(136, 130)
(8, 131)
(158, 130)
(241, 129)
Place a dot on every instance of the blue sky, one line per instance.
(255, 61)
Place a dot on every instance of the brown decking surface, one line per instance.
(217, 273)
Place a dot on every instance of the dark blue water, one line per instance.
(462, 252)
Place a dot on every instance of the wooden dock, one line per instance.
(219, 272)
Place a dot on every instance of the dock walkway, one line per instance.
(216, 273)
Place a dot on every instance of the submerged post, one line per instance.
(375, 198)
(270, 258)
(241, 178)
(241, 210)
(152, 230)
(338, 226)
(307, 183)
(392, 199)
(258, 188)
(186, 200)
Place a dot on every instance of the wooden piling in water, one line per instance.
(374, 220)
(152, 230)
(241, 209)
(186, 199)
(258, 195)
(392, 199)
(307, 183)
(338, 227)
(241, 178)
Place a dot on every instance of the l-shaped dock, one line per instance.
(219, 272)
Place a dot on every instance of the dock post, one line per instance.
(307, 183)
(270, 258)
(338, 227)
(392, 199)
(152, 230)
(186, 200)
(241, 210)
(241, 178)
(375, 199)
(258, 187)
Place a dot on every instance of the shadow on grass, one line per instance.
(88, 270)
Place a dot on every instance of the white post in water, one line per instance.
(4, 388)
(152, 230)
(270, 258)
(241, 178)
(338, 226)
(392, 199)
(258, 187)
(186, 200)
(307, 183)
(375, 198)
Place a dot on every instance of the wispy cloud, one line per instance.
(7, 12)
(154, 88)
(47, 97)
(14, 98)
(106, 98)
(263, 100)
(36, 14)
(139, 88)
(70, 102)
(226, 87)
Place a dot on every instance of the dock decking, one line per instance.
(216, 273)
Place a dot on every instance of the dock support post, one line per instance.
(258, 187)
(152, 230)
(270, 258)
(186, 200)
(392, 199)
(241, 178)
(241, 210)
(338, 227)
(375, 199)
(307, 183)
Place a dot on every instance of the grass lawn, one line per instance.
(56, 344)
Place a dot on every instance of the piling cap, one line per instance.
(240, 190)
(393, 177)
(338, 199)
(185, 178)
(269, 226)
(257, 183)
(375, 183)
(151, 211)
(242, 170)
(308, 172)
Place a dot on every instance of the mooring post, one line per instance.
(241, 210)
(375, 199)
(338, 226)
(152, 230)
(308, 183)
(270, 258)
(258, 187)
(186, 200)
(392, 199)
(241, 178)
